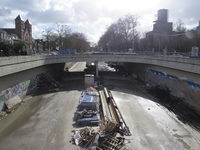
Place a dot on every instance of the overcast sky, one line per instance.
(91, 17)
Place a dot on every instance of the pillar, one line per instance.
(96, 64)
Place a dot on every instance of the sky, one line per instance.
(92, 17)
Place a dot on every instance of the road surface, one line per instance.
(45, 122)
(77, 67)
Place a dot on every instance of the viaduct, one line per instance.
(180, 74)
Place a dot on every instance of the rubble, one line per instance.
(8, 111)
(3, 114)
(47, 83)
(86, 113)
(89, 138)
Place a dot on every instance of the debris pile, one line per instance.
(7, 111)
(87, 113)
(89, 138)
(47, 83)
(3, 114)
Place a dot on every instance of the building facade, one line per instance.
(21, 32)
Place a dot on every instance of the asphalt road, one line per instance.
(45, 121)
(77, 67)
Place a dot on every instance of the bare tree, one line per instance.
(179, 26)
(61, 36)
(79, 42)
(180, 29)
(120, 35)
(48, 37)
(62, 31)
(127, 29)
(196, 36)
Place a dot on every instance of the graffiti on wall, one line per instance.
(19, 89)
(179, 87)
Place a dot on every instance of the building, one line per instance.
(161, 24)
(158, 38)
(21, 32)
(8, 37)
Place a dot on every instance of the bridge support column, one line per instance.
(96, 64)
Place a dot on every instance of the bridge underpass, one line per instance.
(181, 75)
(47, 113)
(46, 121)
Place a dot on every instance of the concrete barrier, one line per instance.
(12, 102)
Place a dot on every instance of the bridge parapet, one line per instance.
(10, 65)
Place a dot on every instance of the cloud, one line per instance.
(4, 11)
(91, 17)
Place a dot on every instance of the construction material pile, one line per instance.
(96, 139)
(112, 113)
(88, 107)
(47, 83)
(105, 136)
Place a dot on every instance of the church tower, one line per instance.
(28, 28)
(19, 27)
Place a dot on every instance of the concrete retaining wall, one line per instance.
(25, 82)
(180, 83)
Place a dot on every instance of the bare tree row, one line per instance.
(120, 35)
(62, 37)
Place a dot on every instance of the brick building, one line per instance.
(21, 32)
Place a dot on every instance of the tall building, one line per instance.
(161, 24)
(158, 39)
(22, 31)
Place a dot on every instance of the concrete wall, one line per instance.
(16, 64)
(25, 82)
(180, 83)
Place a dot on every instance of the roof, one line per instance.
(9, 30)
(19, 18)
(27, 22)
(1, 30)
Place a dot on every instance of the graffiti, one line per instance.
(19, 89)
(186, 89)
(9, 93)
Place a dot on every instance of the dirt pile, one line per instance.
(48, 84)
